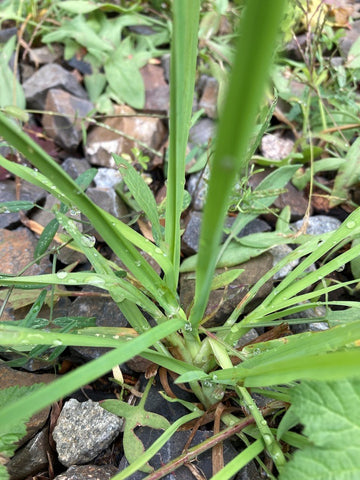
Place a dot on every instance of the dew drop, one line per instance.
(88, 240)
(350, 224)
(57, 342)
(62, 275)
(138, 263)
(188, 327)
(267, 439)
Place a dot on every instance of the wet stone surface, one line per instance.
(88, 472)
(83, 430)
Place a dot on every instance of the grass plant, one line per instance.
(179, 342)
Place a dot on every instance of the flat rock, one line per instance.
(318, 224)
(10, 377)
(275, 147)
(50, 76)
(46, 54)
(17, 248)
(102, 143)
(88, 472)
(75, 166)
(28, 192)
(223, 301)
(107, 314)
(107, 199)
(30, 459)
(279, 252)
(208, 99)
(83, 430)
(66, 128)
(202, 132)
(156, 88)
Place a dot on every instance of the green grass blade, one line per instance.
(30, 404)
(119, 236)
(247, 83)
(182, 82)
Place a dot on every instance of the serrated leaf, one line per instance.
(330, 412)
(141, 193)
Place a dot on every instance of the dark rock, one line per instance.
(107, 178)
(275, 147)
(107, 199)
(102, 143)
(208, 100)
(318, 224)
(83, 430)
(17, 249)
(7, 33)
(75, 166)
(88, 472)
(190, 238)
(173, 448)
(10, 377)
(223, 301)
(156, 88)
(107, 314)
(28, 192)
(202, 132)
(165, 63)
(66, 128)
(279, 252)
(247, 338)
(255, 226)
(30, 459)
(197, 186)
(83, 67)
(50, 76)
(310, 313)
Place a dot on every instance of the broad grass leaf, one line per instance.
(348, 175)
(8, 81)
(46, 237)
(15, 206)
(330, 413)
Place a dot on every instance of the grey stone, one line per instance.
(275, 147)
(208, 100)
(107, 314)
(88, 472)
(347, 40)
(50, 76)
(279, 252)
(165, 63)
(30, 459)
(202, 132)
(66, 128)
(318, 224)
(255, 226)
(107, 199)
(83, 430)
(310, 313)
(7, 33)
(46, 54)
(173, 448)
(75, 166)
(190, 238)
(247, 338)
(28, 192)
(197, 186)
(107, 178)
(102, 142)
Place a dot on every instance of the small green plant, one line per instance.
(203, 358)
